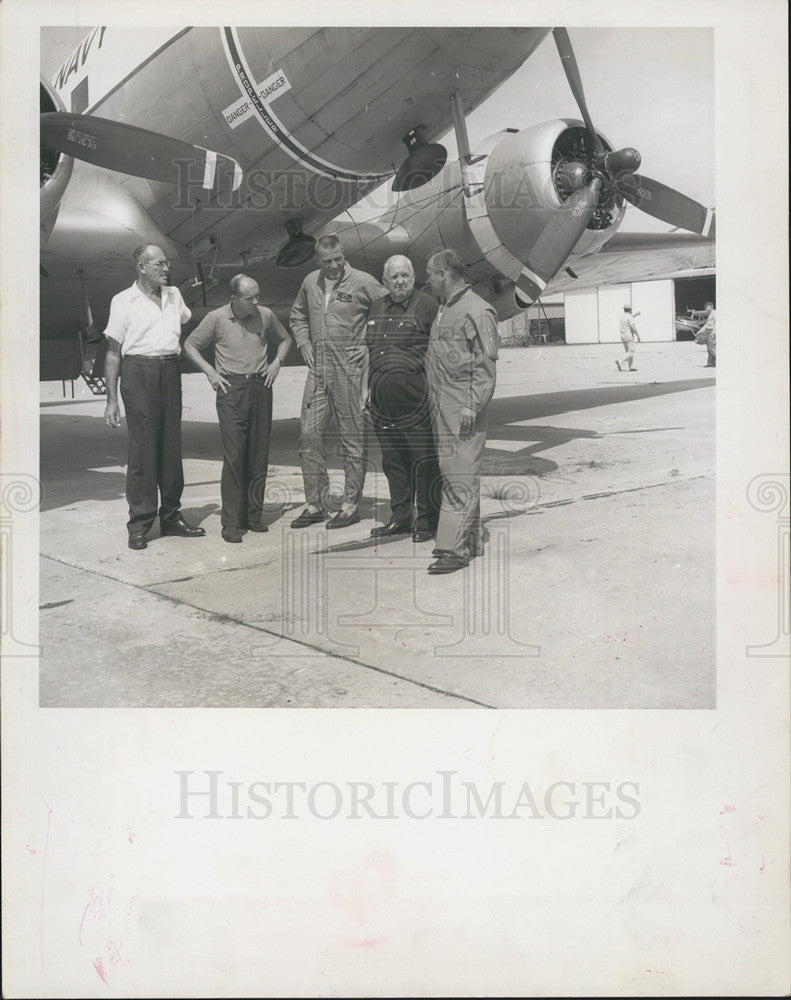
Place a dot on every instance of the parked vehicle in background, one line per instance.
(688, 324)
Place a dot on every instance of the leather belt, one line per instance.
(151, 357)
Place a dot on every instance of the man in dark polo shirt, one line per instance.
(242, 377)
(397, 336)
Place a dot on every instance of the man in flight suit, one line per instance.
(396, 341)
(460, 368)
(241, 333)
(328, 322)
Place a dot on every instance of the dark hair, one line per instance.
(447, 260)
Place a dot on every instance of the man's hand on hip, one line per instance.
(272, 372)
(217, 382)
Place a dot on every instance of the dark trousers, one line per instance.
(151, 393)
(245, 416)
(409, 460)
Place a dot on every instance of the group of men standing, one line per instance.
(422, 365)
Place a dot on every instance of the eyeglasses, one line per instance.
(161, 265)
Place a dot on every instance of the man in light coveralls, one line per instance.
(328, 321)
(460, 369)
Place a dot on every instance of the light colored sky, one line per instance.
(651, 88)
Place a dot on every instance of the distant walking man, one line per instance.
(460, 368)
(144, 329)
(397, 335)
(629, 336)
(241, 334)
(328, 321)
(709, 332)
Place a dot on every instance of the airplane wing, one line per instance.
(638, 257)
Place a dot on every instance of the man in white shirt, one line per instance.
(143, 334)
(629, 334)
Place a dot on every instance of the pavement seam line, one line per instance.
(218, 616)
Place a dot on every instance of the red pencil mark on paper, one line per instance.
(97, 964)
(727, 809)
(84, 915)
(30, 850)
(367, 943)
(763, 862)
(727, 861)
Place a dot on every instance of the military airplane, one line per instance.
(233, 148)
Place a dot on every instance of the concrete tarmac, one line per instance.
(596, 589)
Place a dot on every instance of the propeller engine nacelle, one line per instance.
(55, 168)
(531, 174)
(530, 182)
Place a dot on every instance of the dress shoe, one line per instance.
(232, 534)
(422, 535)
(258, 526)
(138, 541)
(390, 529)
(343, 520)
(447, 563)
(309, 517)
(181, 528)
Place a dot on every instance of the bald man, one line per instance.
(397, 339)
(243, 334)
(143, 332)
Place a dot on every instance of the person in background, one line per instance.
(629, 336)
(709, 334)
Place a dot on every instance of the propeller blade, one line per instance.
(137, 151)
(561, 234)
(666, 204)
(570, 68)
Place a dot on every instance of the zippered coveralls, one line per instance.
(335, 386)
(461, 373)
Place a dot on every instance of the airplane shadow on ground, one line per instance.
(75, 450)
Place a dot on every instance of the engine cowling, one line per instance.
(55, 170)
(530, 174)
(525, 177)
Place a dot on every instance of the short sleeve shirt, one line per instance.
(628, 328)
(240, 345)
(144, 328)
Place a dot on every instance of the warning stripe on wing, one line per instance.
(274, 127)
